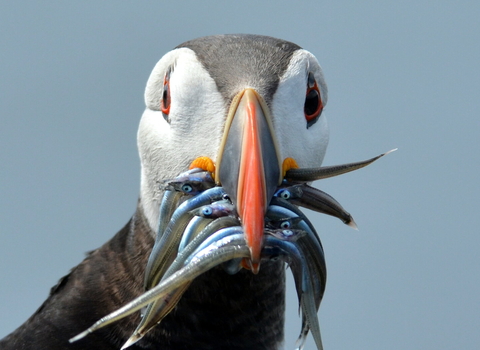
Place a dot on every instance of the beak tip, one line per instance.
(255, 267)
(248, 264)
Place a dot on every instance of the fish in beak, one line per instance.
(255, 185)
(249, 167)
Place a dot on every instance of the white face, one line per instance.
(195, 123)
(306, 146)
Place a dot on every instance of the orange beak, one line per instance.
(248, 166)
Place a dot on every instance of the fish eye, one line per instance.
(283, 193)
(187, 188)
(207, 211)
(285, 224)
(313, 102)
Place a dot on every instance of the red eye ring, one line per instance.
(165, 102)
(313, 101)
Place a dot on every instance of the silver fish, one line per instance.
(192, 183)
(215, 237)
(297, 258)
(286, 207)
(168, 205)
(314, 246)
(285, 234)
(200, 229)
(281, 223)
(312, 249)
(196, 225)
(165, 248)
(216, 210)
(226, 249)
(317, 200)
(159, 308)
(312, 174)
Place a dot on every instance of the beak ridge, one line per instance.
(248, 167)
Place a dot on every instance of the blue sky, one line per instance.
(400, 74)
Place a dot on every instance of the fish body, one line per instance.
(166, 246)
(324, 172)
(202, 232)
(159, 308)
(314, 199)
(216, 210)
(309, 298)
(191, 183)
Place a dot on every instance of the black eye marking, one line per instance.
(166, 98)
(313, 102)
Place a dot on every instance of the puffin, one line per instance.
(239, 106)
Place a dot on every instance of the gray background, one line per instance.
(401, 74)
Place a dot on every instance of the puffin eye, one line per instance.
(187, 188)
(313, 102)
(165, 103)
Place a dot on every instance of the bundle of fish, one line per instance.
(199, 229)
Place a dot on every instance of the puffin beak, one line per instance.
(248, 166)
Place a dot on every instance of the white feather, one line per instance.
(197, 115)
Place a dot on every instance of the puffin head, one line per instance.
(240, 106)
